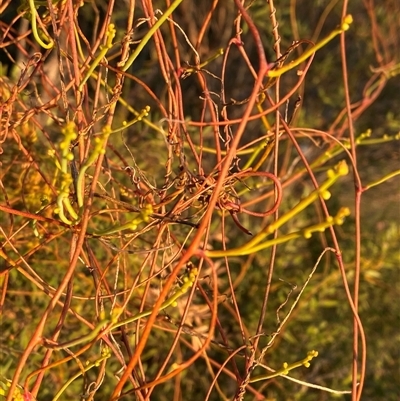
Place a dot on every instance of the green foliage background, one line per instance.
(323, 319)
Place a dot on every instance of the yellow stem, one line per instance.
(188, 283)
(34, 27)
(308, 53)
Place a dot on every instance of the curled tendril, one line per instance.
(234, 207)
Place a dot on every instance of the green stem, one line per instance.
(382, 180)
(305, 233)
(287, 368)
(103, 51)
(99, 148)
(150, 33)
(80, 373)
